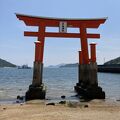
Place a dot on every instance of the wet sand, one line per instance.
(38, 110)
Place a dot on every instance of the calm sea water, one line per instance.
(59, 81)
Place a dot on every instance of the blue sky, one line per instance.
(19, 50)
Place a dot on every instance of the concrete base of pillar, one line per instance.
(35, 92)
(90, 93)
(87, 85)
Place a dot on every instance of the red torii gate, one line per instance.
(63, 24)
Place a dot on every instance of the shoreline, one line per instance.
(56, 101)
(37, 109)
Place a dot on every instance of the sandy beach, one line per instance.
(34, 110)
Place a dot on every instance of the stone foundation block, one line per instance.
(90, 93)
(35, 92)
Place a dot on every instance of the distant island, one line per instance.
(113, 62)
(4, 63)
(69, 65)
(112, 66)
(56, 66)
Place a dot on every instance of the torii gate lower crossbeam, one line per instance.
(87, 85)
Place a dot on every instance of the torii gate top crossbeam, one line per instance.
(54, 22)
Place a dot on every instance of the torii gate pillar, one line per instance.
(87, 85)
(37, 88)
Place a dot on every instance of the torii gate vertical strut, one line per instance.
(87, 85)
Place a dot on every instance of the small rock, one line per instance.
(85, 106)
(62, 102)
(72, 104)
(17, 101)
(4, 108)
(20, 97)
(47, 99)
(63, 96)
(21, 104)
(50, 104)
